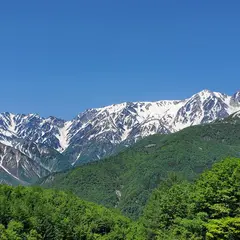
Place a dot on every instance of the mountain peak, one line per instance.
(97, 133)
(205, 91)
(235, 99)
(237, 95)
(202, 95)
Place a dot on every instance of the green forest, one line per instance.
(208, 208)
(33, 213)
(125, 181)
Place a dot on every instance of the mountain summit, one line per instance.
(96, 133)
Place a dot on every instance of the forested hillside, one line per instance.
(34, 214)
(208, 209)
(126, 180)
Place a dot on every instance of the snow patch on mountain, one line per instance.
(63, 136)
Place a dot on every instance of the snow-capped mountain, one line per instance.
(99, 132)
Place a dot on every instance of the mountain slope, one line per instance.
(34, 213)
(27, 162)
(56, 144)
(207, 209)
(95, 133)
(126, 180)
(16, 167)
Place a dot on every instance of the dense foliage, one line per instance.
(208, 209)
(126, 180)
(35, 214)
(177, 210)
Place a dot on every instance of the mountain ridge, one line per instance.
(99, 132)
(126, 179)
(161, 110)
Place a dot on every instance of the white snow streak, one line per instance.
(12, 126)
(63, 136)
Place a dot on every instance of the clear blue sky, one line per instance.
(61, 57)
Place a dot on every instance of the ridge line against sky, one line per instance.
(59, 57)
(97, 107)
